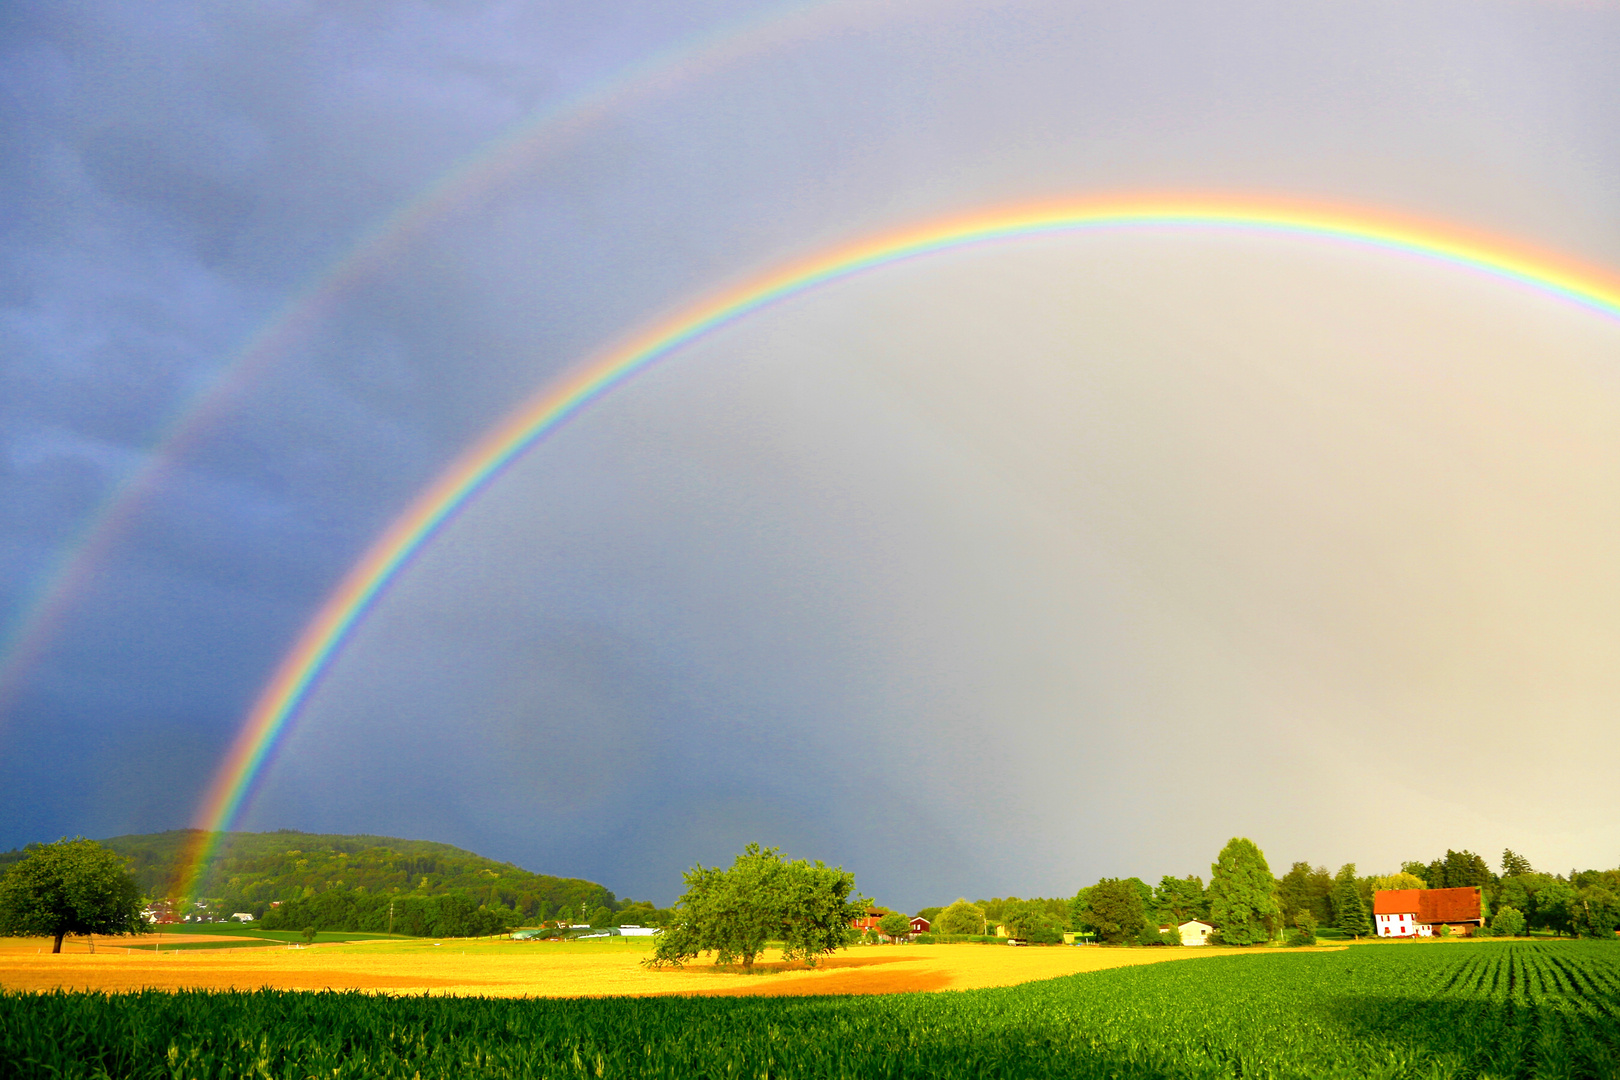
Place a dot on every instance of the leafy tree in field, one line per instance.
(1508, 922)
(1305, 930)
(961, 918)
(309, 935)
(1596, 913)
(1242, 894)
(895, 925)
(69, 887)
(1115, 910)
(733, 913)
(1352, 913)
(1554, 907)
(1034, 921)
(1514, 864)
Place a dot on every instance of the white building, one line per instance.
(1195, 932)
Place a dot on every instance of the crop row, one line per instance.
(1499, 1010)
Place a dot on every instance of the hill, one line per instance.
(250, 870)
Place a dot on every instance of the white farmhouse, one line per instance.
(1195, 932)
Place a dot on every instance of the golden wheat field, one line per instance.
(503, 968)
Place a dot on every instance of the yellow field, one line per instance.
(547, 969)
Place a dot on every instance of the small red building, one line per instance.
(1421, 912)
(919, 925)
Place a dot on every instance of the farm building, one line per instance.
(1195, 932)
(868, 921)
(919, 925)
(1421, 912)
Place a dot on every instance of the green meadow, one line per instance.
(1490, 1009)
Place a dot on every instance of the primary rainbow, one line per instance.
(1587, 286)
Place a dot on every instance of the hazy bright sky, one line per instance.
(994, 572)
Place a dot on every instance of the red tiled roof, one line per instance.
(1429, 905)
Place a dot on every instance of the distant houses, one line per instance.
(1399, 913)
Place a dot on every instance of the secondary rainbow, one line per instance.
(1587, 286)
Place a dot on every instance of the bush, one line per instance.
(1304, 934)
(927, 939)
(1171, 936)
(1508, 922)
(1149, 935)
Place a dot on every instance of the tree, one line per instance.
(1417, 870)
(1033, 921)
(1177, 900)
(1403, 880)
(1305, 933)
(1596, 913)
(1352, 913)
(961, 918)
(69, 887)
(733, 913)
(1243, 894)
(1514, 864)
(895, 925)
(1115, 910)
(1508, 922)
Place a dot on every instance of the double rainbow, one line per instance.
(1583, 285)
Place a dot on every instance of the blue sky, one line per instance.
(991, 574)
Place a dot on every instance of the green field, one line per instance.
(1490, 1009)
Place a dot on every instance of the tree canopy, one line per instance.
(960, 917)
(69, 887)
(1243, 894)
(762, 897)
(1114, 910)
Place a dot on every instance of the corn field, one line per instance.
(1488, 1009)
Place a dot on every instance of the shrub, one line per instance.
(1508, 922)
(1304, 934)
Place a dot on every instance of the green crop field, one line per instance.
(1491, 1009)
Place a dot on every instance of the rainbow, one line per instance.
(42, 615)
(1586, 286)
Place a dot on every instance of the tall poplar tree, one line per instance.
(1243, 894)
(1347, 902)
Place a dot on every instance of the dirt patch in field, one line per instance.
(539, 969)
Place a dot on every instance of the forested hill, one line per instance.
(252, 869)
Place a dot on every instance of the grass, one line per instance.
(1496, 1010)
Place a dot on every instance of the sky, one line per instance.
(993, 572)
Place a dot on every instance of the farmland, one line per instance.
(1491, 1009)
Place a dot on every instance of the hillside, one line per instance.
(252, 869)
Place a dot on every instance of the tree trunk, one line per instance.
(58, 946)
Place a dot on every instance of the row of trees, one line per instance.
(1247, 904)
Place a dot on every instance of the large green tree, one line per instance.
(1243, 894)
(1115, 910)
(1347, 904)
(69, 887)
(962, 917)
(805, 905)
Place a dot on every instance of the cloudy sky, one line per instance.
(988, 573)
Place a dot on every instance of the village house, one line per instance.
(1422, 912)
(919, 925)
(1195, 932)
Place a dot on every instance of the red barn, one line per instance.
(919, 925)
(1421, 912)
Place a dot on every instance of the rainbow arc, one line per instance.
(1586, 286)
